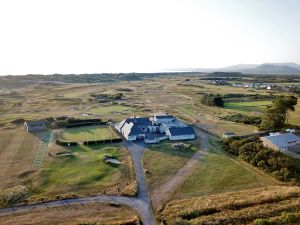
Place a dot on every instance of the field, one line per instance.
(109, 110)
(253, 106)
(89, 133)
(74, 170)
(80, 170)
(258, 107)
(273, 204)
(219, 173)
(101, 213)
(294, 117)
(17, 153)
(162, 161)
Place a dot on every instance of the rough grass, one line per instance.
(162, 161)
(17, 150)
(89, 133)
(235, 207)
(108, 109)
(100, 213)
(219, 173)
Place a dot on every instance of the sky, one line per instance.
(98, 36)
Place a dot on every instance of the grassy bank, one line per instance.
(219, 173)
(162, 161)
(244, 207)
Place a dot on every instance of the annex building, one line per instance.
(153, 129)
(35, 126)
(282, 142)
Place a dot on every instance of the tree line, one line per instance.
(251, 150)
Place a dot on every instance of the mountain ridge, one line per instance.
(288, 68)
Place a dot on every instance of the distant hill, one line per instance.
(267, 68)
(273, 69)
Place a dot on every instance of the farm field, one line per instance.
(101, 213)
(162, 161)
(219, 173)
(89, 133)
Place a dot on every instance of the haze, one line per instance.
(45, 37)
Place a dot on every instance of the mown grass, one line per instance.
(83, 173)
(241, 207)
(219, 173)
(251, 106)
(89, 133)
(294, 117)
(162, 161)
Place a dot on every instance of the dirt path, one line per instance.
(163, 192)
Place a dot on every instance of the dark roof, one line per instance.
(181, 131)
(35, 123)
(142, 121)
(164, 117)
(138, 124)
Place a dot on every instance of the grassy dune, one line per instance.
(241, 207)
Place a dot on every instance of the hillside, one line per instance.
(272, 69)
(243, 207)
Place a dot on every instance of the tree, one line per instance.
(276, 115)
(212, 100)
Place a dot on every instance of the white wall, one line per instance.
(182, 137)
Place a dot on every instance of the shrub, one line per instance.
(240, 118)
(287, 218)
(14, 195)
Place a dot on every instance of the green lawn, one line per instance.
(219, 173)
(89, 133)
(162, 161)
(84, 173)
(260, 106)
(108, 109)
(252, 106)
